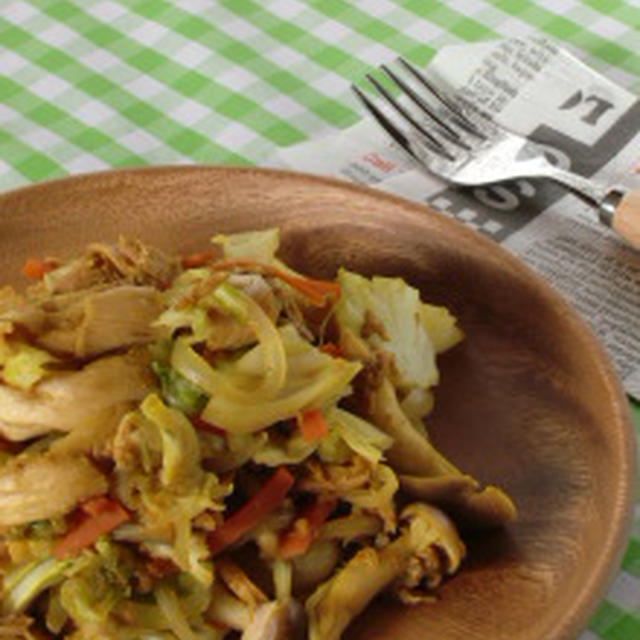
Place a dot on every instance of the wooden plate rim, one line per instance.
(595, 588)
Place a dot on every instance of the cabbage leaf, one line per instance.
(386, 312)
(24, 365)
(97, 581)
(441, 327)
(255, 245)
(177, 391)
(361, 436)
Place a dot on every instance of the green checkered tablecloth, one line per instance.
(93, 84)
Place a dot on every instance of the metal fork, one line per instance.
(459, 143)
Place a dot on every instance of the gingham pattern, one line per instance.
(93, 84)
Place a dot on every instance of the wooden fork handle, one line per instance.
(620, 209)
(626, 218)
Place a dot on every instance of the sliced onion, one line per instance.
(186, 361)
(170, 607)
(227, 413)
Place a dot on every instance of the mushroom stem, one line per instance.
(276, 621)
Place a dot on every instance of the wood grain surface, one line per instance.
(528, 401)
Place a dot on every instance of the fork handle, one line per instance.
(620, 209)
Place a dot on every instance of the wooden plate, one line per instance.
(529, 401)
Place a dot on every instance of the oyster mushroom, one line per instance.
(238, 603)
(426, 474)
(273, 620)
(427, 549)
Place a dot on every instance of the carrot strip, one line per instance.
(198, 259)
(96, 506)
(202, 425)
(318, 292)
(101, 515)
(160, 568)
(305, 529)
(312, 425)
(35, 269)
(332, 349)
(266, 499)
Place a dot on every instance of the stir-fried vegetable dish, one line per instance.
(217, 446)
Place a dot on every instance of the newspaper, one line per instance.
(582, 120)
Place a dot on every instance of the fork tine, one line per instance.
(384, 122)
(451, 134)
(430, 140)
(461, 118)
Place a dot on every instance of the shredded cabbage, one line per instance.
(97, 581)
(170, 606)
(180, 445)
(6, 328)
(333, 449)
(88, 597)
(361, 436)
(377, 496)
(177, 391)
(24, 584)
(282, 578)
(192, 600)
(56, 616)
(194, 318)
(231, 301)
(159, 442)
(189, 299)
(24, 365)
(195, 597)
(292, 450)
(226, 609)
(233, 450)
(183, 285)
